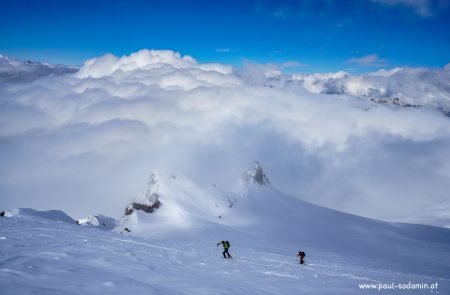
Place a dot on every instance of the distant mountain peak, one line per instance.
(153, 184)
(396, 102)
(255, 175)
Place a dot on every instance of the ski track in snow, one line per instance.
(71, 259)
(147, 245)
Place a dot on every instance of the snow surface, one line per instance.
(98, 220)
(173, 251)
(57, 215)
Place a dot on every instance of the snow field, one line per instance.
(40, 256)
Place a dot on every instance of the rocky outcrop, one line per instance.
(395, 101)
(150, 200)
(148, 208)
(255, 175)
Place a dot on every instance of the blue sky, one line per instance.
(306, 35)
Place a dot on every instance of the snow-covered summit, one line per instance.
(152, 188)
(175, 202)
(172, 203)
(255, 175)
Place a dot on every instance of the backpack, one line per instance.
(227, 244)
(302, 254)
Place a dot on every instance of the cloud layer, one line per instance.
(86, 141)
(371, 60)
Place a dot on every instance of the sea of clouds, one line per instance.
(86, 140)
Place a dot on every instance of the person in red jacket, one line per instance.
(301, 254)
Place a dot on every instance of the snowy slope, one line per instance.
(56, 215)
(173, 249)
(41, 256)
(262, 215)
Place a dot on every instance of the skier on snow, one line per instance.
(225, 245)
(301, 254)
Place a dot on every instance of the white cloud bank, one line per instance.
(85, 142)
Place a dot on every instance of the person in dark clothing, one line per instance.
(301, 254)
(226, 246)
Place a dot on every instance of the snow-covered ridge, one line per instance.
(398, 86)
(14, 71)
(395, 101)
(56, 215)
